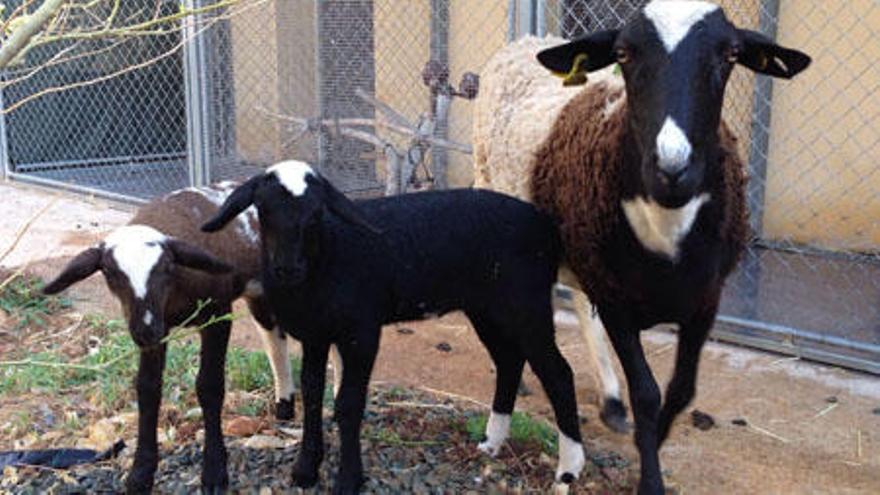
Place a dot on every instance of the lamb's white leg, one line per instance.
(613, 411)
(275, 344)
(497, 430)
(336, 363)
(571, 462)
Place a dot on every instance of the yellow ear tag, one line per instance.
(577, 76)
(764, 61)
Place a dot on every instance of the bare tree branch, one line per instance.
(30, 27)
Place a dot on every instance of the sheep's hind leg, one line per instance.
(509, 363)
(149, 396)
(558, 381)
(313, 377)
(613, 411)
(211, 390)
(358, 360)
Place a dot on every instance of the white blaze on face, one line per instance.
(660, 229)
(148, 317)
(673, 19)
(136, 249)
(673, 147)
(292, 175)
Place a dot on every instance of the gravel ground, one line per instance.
(413, 442)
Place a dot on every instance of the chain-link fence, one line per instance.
(347, 85)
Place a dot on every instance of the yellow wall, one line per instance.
(822, 178)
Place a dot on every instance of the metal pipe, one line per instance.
(5, 168)
(77, 188)
(787, 331)
(97, 162)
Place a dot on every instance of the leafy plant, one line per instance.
(23, 301)
(523, 429)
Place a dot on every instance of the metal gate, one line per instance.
(279, 79)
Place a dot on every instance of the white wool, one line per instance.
(292, 175)
(519, 101)
(673, 147)
(660, 229)
(673, 19)
(136, 249)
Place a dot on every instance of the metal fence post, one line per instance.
(194, 66)
(5, 168)
(761, 110)
(440, 52)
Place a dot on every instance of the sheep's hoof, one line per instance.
(614, 415)
(489, 448)
(285, 409)
(213, 490)
(303, 477)
(140, 478)
(347, 487)
(134, 485)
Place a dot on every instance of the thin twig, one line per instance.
(420, 405)
(765, 432)
(827, 410)
(452, 395)
(24, 228)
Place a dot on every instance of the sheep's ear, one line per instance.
(762, 55)
(240, 199)
(190, 256)
(571, 61)
(341, 205)
(80, 267)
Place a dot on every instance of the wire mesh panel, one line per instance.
(125, 134)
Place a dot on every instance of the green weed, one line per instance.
(523, 429)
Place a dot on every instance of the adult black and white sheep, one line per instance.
(159, 267)
(332, 279)
(642, 173)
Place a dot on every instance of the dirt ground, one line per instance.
(811, 428)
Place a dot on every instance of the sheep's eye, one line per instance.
(623, 55)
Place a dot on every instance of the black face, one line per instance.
(676, 59)
(675, 101)
(290, 230)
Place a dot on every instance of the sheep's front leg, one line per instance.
(312, 378)
(644, 396)
(683, 386)
(358, 356)
(210, 388)
(149, 396)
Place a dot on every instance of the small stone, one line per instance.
(405, 331)
(265, 442)
(739, 422)
(876, 411)
(444, 347)
(242, 426)
(831, 400)
(701, 420)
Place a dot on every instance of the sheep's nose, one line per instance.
(670, 176)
